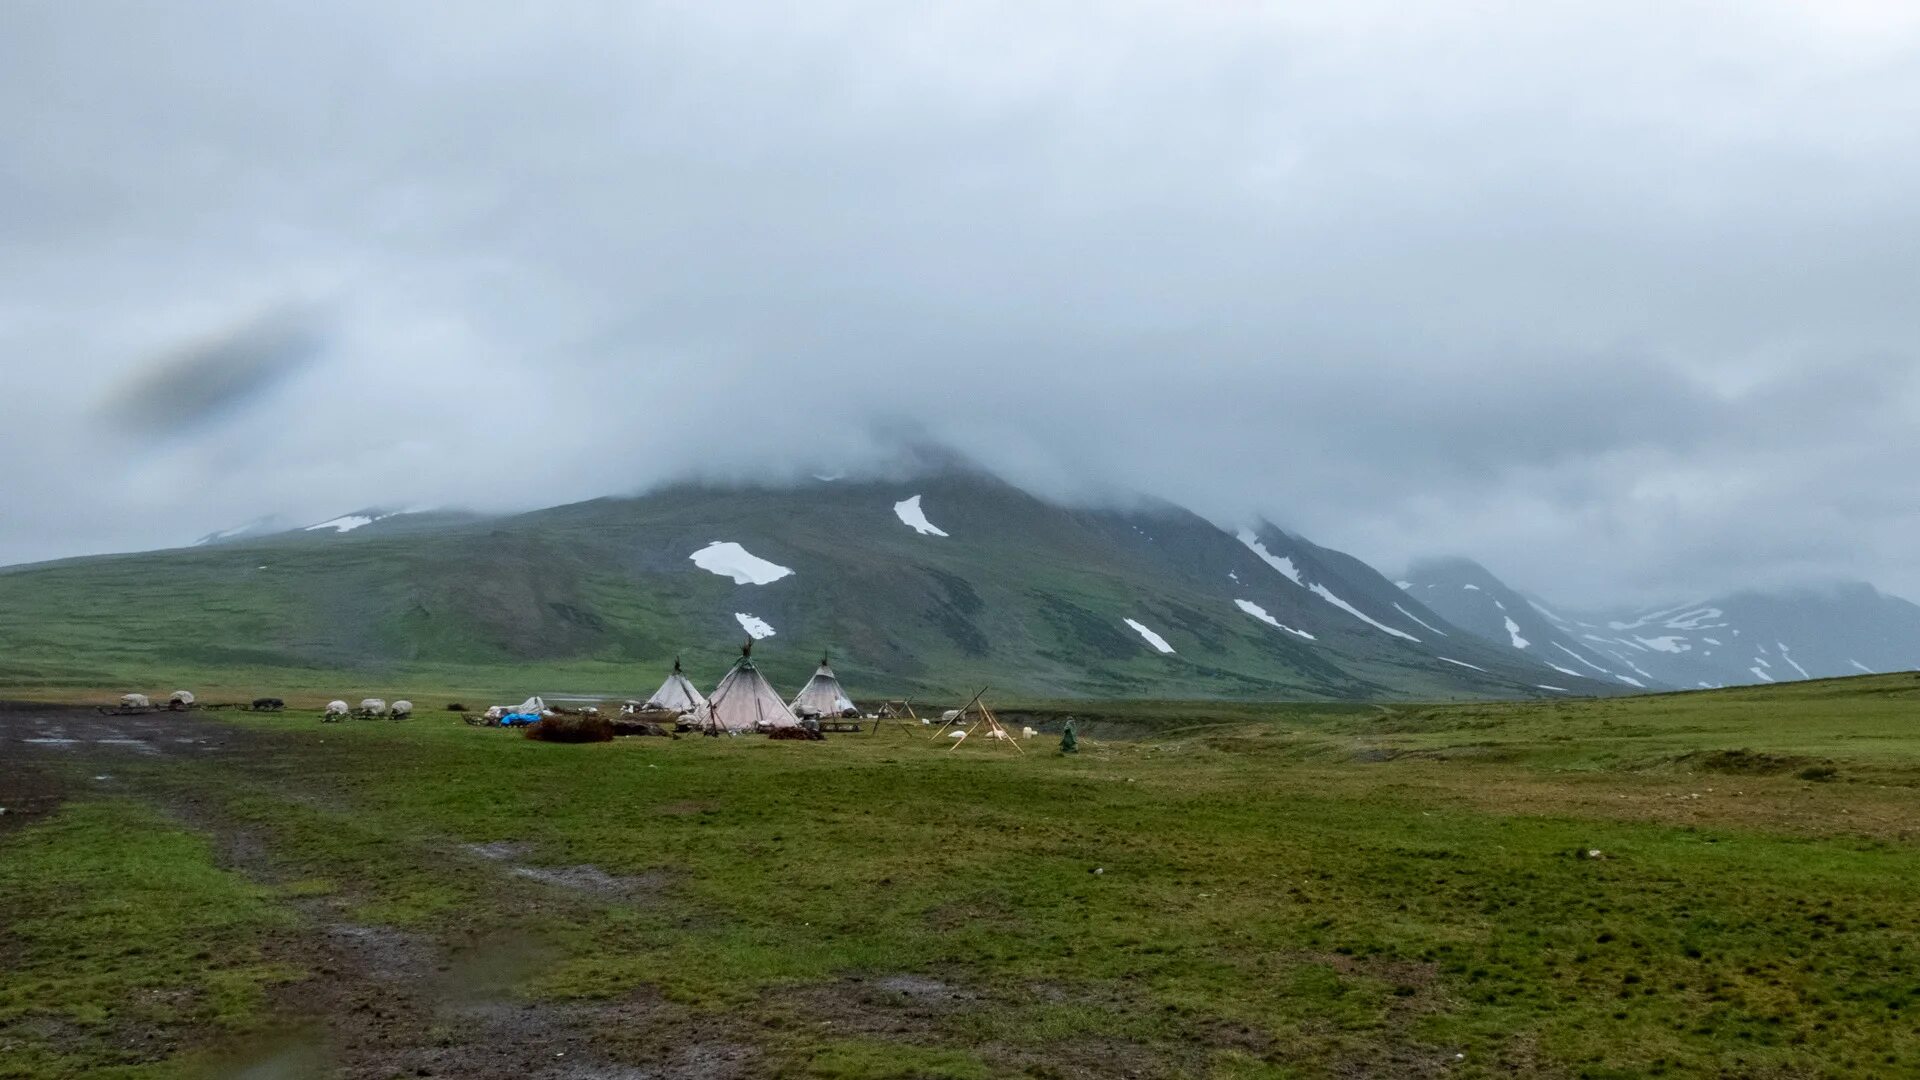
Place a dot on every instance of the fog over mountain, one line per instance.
(1616, 300)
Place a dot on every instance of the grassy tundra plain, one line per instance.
(1707, 884)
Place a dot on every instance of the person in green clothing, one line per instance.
(1069, 739)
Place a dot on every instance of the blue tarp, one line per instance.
(516, 719)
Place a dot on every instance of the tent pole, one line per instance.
(962, 714)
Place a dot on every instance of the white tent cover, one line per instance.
(677, 694)
(823, 695)
(745, 701)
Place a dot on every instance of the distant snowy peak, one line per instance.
(1764, 637)
(359, 519)
(1469, 596)
(343, 524)
(275, 525)
(1731, 640)
(265, 526)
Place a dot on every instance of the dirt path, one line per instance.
(379, 1001)
(383, 1001)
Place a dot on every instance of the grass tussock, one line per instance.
(1745, 762)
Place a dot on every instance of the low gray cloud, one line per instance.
(209, 381)
(1615, 302)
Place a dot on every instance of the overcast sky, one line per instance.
(1621, 299)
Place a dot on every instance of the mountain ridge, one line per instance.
(1740, 638)
(1010, 589)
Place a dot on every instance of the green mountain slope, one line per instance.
(1030, 597)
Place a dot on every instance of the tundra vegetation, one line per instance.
(1718, 883)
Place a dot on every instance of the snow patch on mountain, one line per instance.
(909, 512)
(1580, 658)
(359, 519)
(1863, 667)
(730, 560)
(1513, 632)
(1326, 594)
(755, 626)
(1635, 668)
(1695, 619)
(1654, 617)
(1278, 562)
(1419, 620)
(1789, 659)
(1153, 639)
(1462, 663)
(345, 523)
(1761, 675)
(1292, 573)
(1669, 644)
(1260, 613)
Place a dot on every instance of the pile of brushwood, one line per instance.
(633, 725)
(572, 728)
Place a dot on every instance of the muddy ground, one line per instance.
(378, 1001)
(381, 1001)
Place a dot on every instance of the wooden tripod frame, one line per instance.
(985, 719)
(899, 712)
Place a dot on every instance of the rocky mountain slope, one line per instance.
(943, 583)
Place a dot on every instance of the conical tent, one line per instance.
(745, 701)
(677, 694)
(823, 695)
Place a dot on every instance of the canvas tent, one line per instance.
(823, 695)
(744, 701)
(677, 694)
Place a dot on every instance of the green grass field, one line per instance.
(1244, 891)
